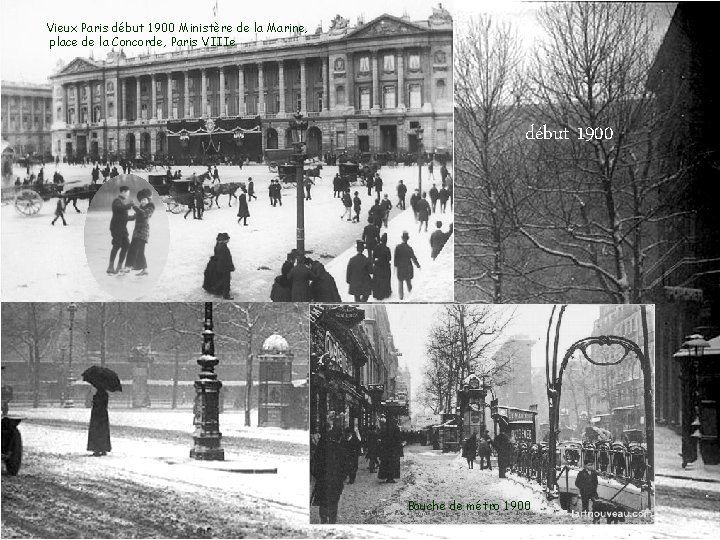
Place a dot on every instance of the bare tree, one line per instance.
(595, 202)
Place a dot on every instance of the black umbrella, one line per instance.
(102, 378)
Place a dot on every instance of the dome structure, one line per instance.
(275, 344)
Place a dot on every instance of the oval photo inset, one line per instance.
(127, 237)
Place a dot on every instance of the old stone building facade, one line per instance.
(26, 117)
(363, 88)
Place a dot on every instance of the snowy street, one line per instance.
(46, 263)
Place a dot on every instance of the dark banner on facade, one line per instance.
(230, 137)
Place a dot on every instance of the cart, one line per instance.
(181, 195)
(28, 199)
(161, 183)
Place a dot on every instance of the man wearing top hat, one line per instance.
(404, 260)
(358, 274)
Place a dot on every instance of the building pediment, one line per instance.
(386, 25)
(79, 65)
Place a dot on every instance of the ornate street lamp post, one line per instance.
(207, 436)
(695, 345)
(419, 138)
(298, 127)
(72, 308)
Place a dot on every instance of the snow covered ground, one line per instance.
(45, 263)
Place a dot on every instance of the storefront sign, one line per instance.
(520, 416)
(335, 350)
(348, 315)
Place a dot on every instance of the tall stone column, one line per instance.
(203, 93)
(90, 102)
(303, 87)
(64, 116)
(138, 99)
(261, 89)
(241, 90)
(281, 86)
(326, 83)
(43, 111)
(122, 101)
(223, 111)
(349, 82)
(153, 100)
(169, 97)
(400, 66)
(32, 113)
(77, 103)
(186, 104)
(375, 82)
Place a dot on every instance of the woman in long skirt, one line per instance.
(243, 210)
(99, 429)
(141, 233)
(381, 270)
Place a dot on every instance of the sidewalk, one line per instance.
(231, 423)
(668, 462)
(433, 281)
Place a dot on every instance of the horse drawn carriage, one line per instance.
(29, 199)
(181, 194)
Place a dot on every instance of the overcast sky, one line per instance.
(411, 325)
(26, 55)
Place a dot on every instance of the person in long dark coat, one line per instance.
(328, 469)
(281, 287)
(323, 288)
(484, 450)
(243, 210)
(470, 450)
(444, 195)
(99, 429)
(382, 273)
(404, 260)
(59, 211)
(414, 198)
(391, 451)
(251, 190)
(587, 483)
(434, 196)
(372, 449)
(351, 445)
(423, 211)
(369, 183)
(217, 272)
(503, 447)
(300, 277)
(438, 239)
(199, 200)
(386, 208)
(358, 274)
(401, 191)
(118, 229)
(141, 233)
(371, 236)
(357, 203)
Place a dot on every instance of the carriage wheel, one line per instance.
(28, 202)
(175, 207)
(14, 459)
(208, 203)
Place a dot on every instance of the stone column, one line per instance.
(241, 90)
(77, 103)
(349, 82)
(326, 83)
(203, 93)
(400, 66)
(223, 111)
(169, 97)
(122, 103)
(261, 89)
(281, 87)
(43, 111)
(90, 102)
(32, 113)
(375, 82)
(303, 87)
(138, 99)
(153, 99)
(186, 97)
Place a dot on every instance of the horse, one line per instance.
(225, 189)
(74, 194)
(314, 172)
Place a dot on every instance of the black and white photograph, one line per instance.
(304, 144)
(126, 241)
(587, 150)
(461, 413)
(144, 420)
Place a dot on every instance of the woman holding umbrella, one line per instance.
(104, 380)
